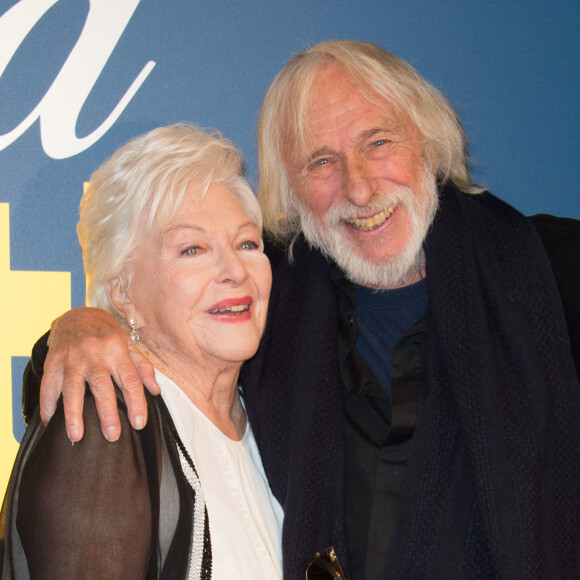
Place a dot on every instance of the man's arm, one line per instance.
(88, 344)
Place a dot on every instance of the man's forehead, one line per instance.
(336, 89)
(334, 82)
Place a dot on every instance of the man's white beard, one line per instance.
(394, 272)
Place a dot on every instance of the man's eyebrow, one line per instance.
(307, 159)
(391, 127)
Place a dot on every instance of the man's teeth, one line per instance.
(238, 309)
(372, 222)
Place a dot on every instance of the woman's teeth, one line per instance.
(230, 309)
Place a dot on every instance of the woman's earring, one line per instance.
(134, 334)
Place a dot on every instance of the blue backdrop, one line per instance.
(510, 69)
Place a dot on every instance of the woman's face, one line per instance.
(201, 286)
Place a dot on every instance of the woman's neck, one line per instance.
(211, 386)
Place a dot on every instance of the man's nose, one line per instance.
(359, 185)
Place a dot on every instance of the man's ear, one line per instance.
(119, 298)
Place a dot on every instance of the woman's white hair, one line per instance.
(384, 79)
(141, 187)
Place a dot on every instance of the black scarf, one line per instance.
(495, 468)
(493, 483)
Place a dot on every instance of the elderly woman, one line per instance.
(171, 240)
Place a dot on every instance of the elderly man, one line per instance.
(415, 397)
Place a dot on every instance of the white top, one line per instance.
(245, 519)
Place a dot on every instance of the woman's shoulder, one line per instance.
(91, 497)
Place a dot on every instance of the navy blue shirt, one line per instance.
(381, 337)
(383, 317)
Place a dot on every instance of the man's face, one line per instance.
(364, 193)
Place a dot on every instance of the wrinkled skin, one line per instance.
(88, 344)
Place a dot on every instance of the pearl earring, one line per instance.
(134, 334)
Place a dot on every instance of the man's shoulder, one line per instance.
(561, 239)
(298, 255)
(277, 252)
(547, 224)
(302, 277)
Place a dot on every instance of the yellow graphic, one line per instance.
(29, 302)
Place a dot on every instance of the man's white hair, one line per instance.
(382, 78)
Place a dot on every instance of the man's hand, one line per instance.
(88, 344)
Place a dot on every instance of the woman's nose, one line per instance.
(232, 269)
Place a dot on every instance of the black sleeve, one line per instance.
(561, 238)
(84, 510)
(32, 377)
